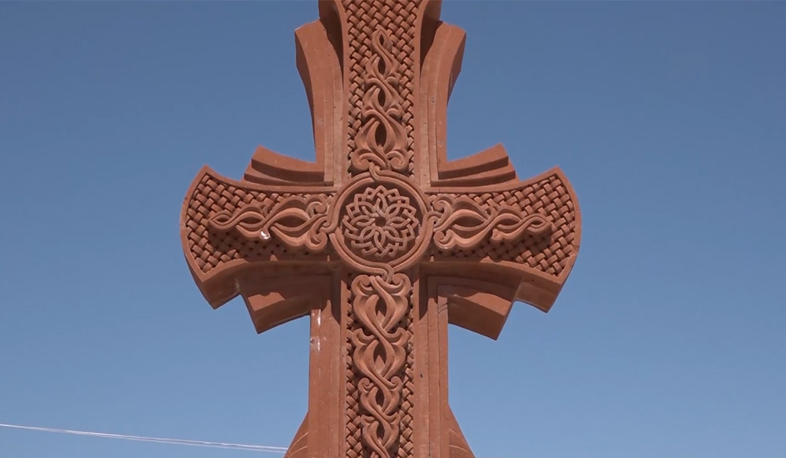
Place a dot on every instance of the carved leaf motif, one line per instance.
(464, 223)
(296, 221)
(380, 355)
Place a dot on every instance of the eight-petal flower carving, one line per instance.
(380, 222)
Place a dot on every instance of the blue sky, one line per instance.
(669, 119)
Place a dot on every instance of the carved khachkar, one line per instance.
(382, 241)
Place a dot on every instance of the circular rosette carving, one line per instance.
(380, 223)
(377, 224)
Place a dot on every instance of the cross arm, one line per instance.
(493, 245)
(243, 238)
(261, 237)
(496, 239)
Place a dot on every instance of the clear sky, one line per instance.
(669, 119)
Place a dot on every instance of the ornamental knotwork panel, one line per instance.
(382, 140)
(380, 354)
(380, 223)
(296, 221)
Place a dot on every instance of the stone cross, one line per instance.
(382, 241)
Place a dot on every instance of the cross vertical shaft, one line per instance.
(381, 47)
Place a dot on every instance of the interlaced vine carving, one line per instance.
(382, 140)
(296, 221)
(380, 354)
(464, 223)
(396, 20)
(549, 251)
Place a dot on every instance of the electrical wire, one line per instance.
(159, 440)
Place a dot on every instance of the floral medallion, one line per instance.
(380, 223)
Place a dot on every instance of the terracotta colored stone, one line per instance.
(382, 241)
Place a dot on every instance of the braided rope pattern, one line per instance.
(398, 19)
(406, 447)
(550, 253)
(211, 248)
(354, 445)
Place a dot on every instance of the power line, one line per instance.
(159, 440)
